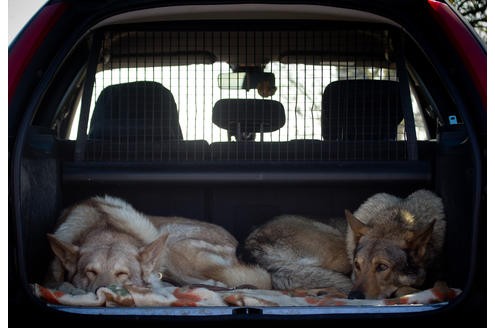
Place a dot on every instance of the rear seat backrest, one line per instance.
(136, 111)
(359, 120)
(361, 110)
(139, 121)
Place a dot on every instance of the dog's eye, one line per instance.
(122, 275)
(91, 273)
(381, 267)
(357, 266)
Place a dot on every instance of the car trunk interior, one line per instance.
(214, 172)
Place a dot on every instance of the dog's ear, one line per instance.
(66, 252)
(417, 241)
(358, 228)
(150, 254)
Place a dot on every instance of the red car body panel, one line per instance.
(32, 37)
(470, 51)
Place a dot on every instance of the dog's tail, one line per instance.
(123, 216)
(241, 274)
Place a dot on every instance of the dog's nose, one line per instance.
(355, 294)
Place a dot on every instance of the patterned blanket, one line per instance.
(201, 295)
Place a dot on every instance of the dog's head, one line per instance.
(388, 259)
(107, 258)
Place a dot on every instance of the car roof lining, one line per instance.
(244, 12)
(146, 48)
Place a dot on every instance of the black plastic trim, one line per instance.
(245, 173)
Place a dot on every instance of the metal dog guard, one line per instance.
(306, 144)
(82, 136)
(405, 97)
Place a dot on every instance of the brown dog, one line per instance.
(104, 241)
(301, 253)
(390, 243)
(393, 243)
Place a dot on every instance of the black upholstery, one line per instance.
(136, 111)
(361, 110)
(139, 121)
(244, 117)
(241, 151)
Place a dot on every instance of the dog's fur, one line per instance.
(104, 240)
(301, 253)
(389, 246)
(393, 243)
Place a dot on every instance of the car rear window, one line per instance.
(331, 94)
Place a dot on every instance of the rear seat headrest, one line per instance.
(361, 110)
(140, 110)
(244, 117)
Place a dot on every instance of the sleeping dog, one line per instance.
(104, 240)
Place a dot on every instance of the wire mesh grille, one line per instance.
(246, 95)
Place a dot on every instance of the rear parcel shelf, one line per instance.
(287, 173)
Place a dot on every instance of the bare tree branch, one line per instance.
(475, 13)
